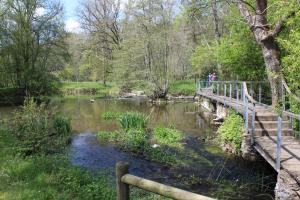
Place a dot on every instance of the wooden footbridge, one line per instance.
(274, 136)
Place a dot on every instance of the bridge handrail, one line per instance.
(290, 92)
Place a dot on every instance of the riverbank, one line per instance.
(206, 171)
(178, 89)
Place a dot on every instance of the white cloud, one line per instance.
(73, 26)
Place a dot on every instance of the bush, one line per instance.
(37, 130)
(232, 129)
(167, 136)
(133, 120)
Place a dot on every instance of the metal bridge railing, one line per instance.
(259, 95)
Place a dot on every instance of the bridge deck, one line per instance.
(265, 143)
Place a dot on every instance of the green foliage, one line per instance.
(232, 129)
(138, 142)
(133, 120)
(32, 48)
(290, 46)
(183, 87)
(167, 136)
(61, 125)
(236, 56)
(111, 115)
(37, 130)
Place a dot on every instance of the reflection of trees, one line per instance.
(159, 114)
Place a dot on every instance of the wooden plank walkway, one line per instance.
(265, 139)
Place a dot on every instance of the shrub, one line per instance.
(167, 136)
(232, 129)
(133, 120)
(37, 130)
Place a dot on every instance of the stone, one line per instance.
(248, 152)
(287, 187)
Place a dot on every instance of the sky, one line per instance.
(71, 19)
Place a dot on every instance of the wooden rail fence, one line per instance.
(124, 180)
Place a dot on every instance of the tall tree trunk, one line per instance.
(265, 37)
(216, 19)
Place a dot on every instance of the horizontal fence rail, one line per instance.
(124, 180)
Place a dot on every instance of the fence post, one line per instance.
(278, 149)
(224, 89)
(122, 188)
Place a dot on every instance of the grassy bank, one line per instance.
(96, 89)
(183, 87)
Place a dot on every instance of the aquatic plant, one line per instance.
(167, 135)
(232, 129)
(111, 115)
(132, 120)
(61, 124)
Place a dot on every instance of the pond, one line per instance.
(210, 172)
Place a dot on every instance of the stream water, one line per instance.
(211, 172)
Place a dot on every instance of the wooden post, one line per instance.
(122, 188)
(278, 149)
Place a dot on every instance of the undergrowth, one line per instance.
(231, 130)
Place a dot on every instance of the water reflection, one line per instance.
(86, 116)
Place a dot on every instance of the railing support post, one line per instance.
(282, 96)
(259, 93)
(278, 149)
(122, 188)
(253, 124)
(246, 114)
(230, 90)
(237, 91)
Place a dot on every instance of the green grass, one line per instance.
(77, 85)
(42, 177)
(183, 87)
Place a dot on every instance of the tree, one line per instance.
(100, 19)
(265, 35)
(31, 44)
